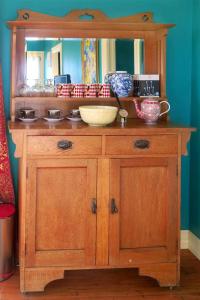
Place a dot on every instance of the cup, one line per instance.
(66, 90)
(93, 90)
(105, 90)
(79, 90)
(54, 113)
(75, 112)
(27, 113)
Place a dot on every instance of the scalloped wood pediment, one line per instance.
(28, 18)
(90, 14)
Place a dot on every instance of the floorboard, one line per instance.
(112, 285)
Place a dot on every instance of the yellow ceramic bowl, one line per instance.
(96, 115)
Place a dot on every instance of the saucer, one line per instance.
(28, 120)
(73, 118)
(53, 119)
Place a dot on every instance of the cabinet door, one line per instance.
(144, 211)
(60, 212)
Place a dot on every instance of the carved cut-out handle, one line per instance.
(86, 15)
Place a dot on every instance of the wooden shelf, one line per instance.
(66, 99)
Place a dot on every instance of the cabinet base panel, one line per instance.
(36, 279)
(164, 273)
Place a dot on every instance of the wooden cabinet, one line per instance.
(104, 202)
(61, 216)
(143, 195)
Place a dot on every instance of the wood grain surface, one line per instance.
(112, 285)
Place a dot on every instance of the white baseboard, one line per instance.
(184, 239)
(191, 242)
(194, 244)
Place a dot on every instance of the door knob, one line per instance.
(94, 206)
(114, 209)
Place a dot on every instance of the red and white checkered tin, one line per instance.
(93, 90)
(59, 90)
(79, 90)
(67, 89)
(105, 91)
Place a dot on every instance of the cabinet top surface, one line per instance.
(133, 126)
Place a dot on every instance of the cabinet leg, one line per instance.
(164, 273)
(35, 280)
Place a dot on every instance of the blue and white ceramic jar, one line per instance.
(107, 78)
(121, 83)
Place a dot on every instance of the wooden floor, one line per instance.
(112, 285)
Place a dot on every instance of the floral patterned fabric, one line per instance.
(6, 185)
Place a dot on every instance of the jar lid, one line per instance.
(123, 72)
(6, 210)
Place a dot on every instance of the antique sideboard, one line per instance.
(111, 197)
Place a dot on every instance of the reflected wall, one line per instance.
(84, 60)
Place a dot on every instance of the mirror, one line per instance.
(77, 60)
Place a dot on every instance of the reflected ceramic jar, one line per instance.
(121, 83)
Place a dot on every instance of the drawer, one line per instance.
(127, 145)
(64, 145)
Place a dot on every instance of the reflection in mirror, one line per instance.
(53, 60)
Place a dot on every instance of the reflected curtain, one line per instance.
(35, 67)
(6, 184)
(108, 49)
(138, 56)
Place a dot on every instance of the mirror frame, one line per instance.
(88, 24)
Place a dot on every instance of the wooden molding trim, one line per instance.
(28, 19)
(37, 280)
(18, 139)
(184, 142)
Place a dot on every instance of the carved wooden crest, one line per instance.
(28, 18)
(83, 15)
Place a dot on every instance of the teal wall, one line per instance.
(125, 55)
(195, 121)
(71, 54)
(179, 53)
(35, 45)
(72, 60)
(48, 45)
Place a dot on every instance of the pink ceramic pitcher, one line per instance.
(150, 109)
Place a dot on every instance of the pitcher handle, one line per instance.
(168, 109)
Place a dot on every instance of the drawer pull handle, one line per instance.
(64, 144)
(114, 209)
(94, 206)
(142, 144)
